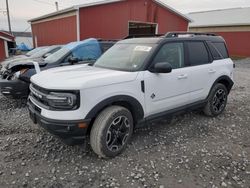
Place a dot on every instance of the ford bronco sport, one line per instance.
(135, 81)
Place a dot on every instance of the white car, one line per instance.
(135, 81)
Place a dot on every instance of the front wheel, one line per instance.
(111, 131)
(217, 100)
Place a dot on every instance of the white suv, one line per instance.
(136, 81)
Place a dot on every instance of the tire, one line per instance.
(111, 131)
(217, 101)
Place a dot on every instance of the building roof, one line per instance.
(76, 7)
(6, 36)
(223, 17)
(22, 34)
(164, 5)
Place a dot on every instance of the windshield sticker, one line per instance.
(143, 48)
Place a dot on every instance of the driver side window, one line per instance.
(172, 53)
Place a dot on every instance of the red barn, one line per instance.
(232, 24)
(6, 40)
(110, 19)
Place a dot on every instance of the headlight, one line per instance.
(62, 100)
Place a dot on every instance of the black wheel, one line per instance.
(217, 100)
(111, 131)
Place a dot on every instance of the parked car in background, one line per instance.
(40, 52)
(136, 81)
(7, 79)
(16, 79)
(28, 54)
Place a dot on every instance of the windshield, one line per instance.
(40, 53)
(125, 57)
(57, 55)
(30, 53)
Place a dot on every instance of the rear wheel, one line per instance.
(217, 100)
(111, 131)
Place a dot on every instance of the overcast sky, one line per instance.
(23, 10)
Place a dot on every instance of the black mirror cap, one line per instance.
(73, 60)
(162, 67)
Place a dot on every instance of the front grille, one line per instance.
(39, 95)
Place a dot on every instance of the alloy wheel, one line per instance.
(118, 133)
(219, 100)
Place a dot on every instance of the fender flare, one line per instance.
(124, 100)
(225, 80)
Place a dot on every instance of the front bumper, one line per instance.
(70, 131)
(15, 89)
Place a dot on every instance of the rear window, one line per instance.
(215, 53)
(198, 54)
(221, 47)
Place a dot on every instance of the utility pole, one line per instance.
(8, 15)
(57, 8)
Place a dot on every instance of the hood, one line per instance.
(12, 59)
(25, 62)
(80, 77)
(16, 57)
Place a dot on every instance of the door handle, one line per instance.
(183, 76)
(212, 71)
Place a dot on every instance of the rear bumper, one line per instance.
(14, 88)
(70, 131)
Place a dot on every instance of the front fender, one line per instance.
(134, 105)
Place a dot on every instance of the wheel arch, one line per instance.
(225, 80)
(132, 104)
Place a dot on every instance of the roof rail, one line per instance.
(177, 34)
(143, 35)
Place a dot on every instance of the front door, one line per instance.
(167, 91)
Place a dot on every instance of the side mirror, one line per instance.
(47, 55)
(162, 67)
(73, 60)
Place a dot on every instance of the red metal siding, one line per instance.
(110, 21)
(7, 35)
(169, 21)
(2, 50)
(58, 31)
(238, 43)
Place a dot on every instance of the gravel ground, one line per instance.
(191, 151)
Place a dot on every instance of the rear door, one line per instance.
(221, 65)
(199, 68)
